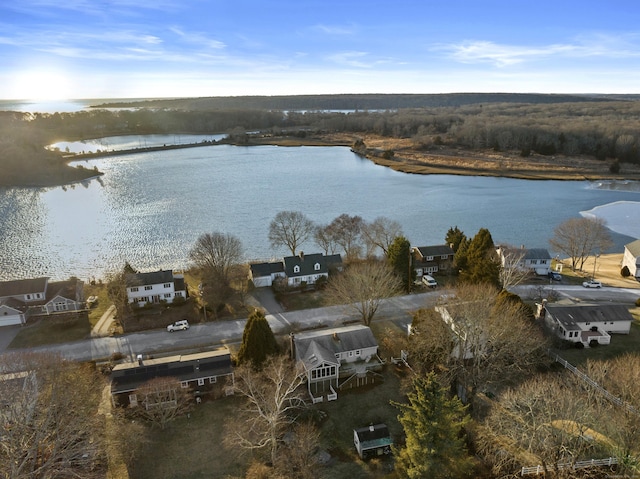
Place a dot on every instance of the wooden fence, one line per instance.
(571, 465)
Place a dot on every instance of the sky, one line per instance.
(74, 49)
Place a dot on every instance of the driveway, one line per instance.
(267, 300)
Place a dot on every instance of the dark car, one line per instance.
(555, 276)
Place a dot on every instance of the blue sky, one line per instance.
(53, 49)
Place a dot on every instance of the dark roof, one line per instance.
(13, 304)
(570, 315)
(437, 250)
(21, 287)
(314, 347)
(370, 436)
(308, 262)
(266, 269)
(130, 376)
(147, 279)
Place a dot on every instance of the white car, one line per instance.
(178, 326)
(592, 283)
(429, 282)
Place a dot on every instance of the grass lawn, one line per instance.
(101, 305)
(48, 330)
(191, 448)
(620, 344)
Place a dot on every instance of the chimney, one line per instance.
(371, 428)
(301, 254)
(335, 337)
(139, 357)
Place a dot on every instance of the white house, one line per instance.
(588, 324)
(264, 274)
(296, 270)
(155, 287)
(536, 260)
(335, 358)
(631, 258)
(10, 312)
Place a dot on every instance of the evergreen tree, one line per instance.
(432, 423)
(454, 238)
(258, 341)
(399, 258)
(481, 264)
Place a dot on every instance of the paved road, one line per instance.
(395, 310)
(218, 333)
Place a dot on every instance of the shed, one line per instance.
(373, 440)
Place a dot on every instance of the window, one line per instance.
(213, 380)
(201, 382)
(296, 269)
(316, 266)
(444, 256)
(350, 354)
(184, 384)
(148, 288)
(167, 295)
(167, 285)
(337, 355)
(357, 352)
(28, 296)
(429, 258)
(60, 306)
(134, 290)
(38, 295)
(178, 293)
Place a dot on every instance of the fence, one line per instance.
(614, 399)
(571, 465)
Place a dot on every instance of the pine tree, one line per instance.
(454, 238)
(399, 258)
(432, 424)
(258, 341)
(481, 265)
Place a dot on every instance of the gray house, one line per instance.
(336, 358)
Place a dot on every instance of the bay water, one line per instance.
(149, 208)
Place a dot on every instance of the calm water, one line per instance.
(149, 208)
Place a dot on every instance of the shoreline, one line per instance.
(404, 158)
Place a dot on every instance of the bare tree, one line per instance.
(324, 239)
(363, 287)
(380, 234)
(495, 339)
(512, 270)
(290, 229)
(298, 458)
(580, 237)
(273, 397)
(216, 253)
(162, 399)
(346, 231)
(543, 422)
(50, 422)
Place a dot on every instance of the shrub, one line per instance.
(638, 302)
(615, 167)
(624, 272)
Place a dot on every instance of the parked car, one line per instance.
(592, 283)
(555, 276)
(178, 326)
(429, 282)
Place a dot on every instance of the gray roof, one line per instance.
(148, 279)
(634, 248)
(372, 433)
(571, 315)
(537, 253)
(314, 347)
(437, 250)
(308, 262)
(21, 287)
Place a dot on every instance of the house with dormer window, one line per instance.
(295, 270)
(631, 258)
(534, 260)
(337, 358)
(155, 287)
